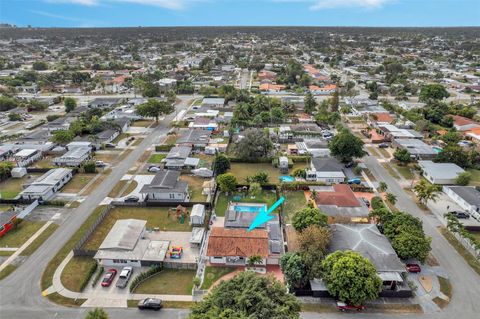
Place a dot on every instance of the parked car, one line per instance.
(108, 278)
(415, 268)
(110, 145)
(154, 169)
(100, 164)
(460, 215)
(383, 145)
(124, 277)
(355, 180)
(350, 164)
(150, 303)
(342, 306)
(131, 199)
(363, 199)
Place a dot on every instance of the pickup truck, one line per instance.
(124, 277)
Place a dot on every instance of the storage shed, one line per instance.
(197, 216)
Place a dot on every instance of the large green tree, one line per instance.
(155, 108)
(426, 191)
(254, 145)
(351, 277)
(62, 137)
(227, 182)
(247, 296)
(313, 242)
(410, 245)
(294, 270)
(70, 104)
(433, 92)
(97, 313)
(308, 216)
(310, 103)
(346, 146)
(221, 164)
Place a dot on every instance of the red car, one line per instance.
(413, 268)
(342, 306)
(108, 278)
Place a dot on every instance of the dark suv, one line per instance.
(460, 215)
(150, 303)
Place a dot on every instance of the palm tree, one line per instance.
(391, 198)
(254, 260)
(426, 191)
(382, 187)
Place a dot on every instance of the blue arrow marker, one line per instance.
(264, 216)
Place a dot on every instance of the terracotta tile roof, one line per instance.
(272, 87)
(461, 121)
(328, 87)
(384, 117)
(341, 196)
(225, 242)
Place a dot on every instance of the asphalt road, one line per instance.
(20, 294)
(465, 281)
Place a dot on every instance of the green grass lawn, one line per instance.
(47, 275)
(405, 171)
(390, 170)
(156, 158)
(143, 123)
(120, 137)
(475, 177)
(155, 217)
(242, 170)
(77, 183)
(195, 186)
(75, 272)
(11, 187)
(384, 152)
(17, 237)
(39, 240)
(212, 274)
(117, 190)
(373, 151)
(264, 197)
(469, 258)
(294, 201)
(4, 208)
(475, 234)
(168, 282)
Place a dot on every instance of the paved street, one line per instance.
(20, 292)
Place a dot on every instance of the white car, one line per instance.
(154, 169)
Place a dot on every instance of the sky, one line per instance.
(132, 13)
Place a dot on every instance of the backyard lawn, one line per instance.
(267, 197)
(11, 187)
(242, 170)
(156, 158)
(294, 201)
(77, 183)
(212, 274)
(168, 282)
(45, 162)
(195, 186)
(155, 217)
(16, 237)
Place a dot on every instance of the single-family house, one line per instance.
(73, 157)
(340, 201)
(178, 159)
(328, 170)
(48, 184)
(467, 197)
(25, 157)
(440, 173)
(417, 148)
(195, 138)
(166, 186)
(213, 102)
(104, 102)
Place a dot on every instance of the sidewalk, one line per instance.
(101, 299)
(19, 250)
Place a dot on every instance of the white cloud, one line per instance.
(329, 4)
(168, 4)
(80, 2)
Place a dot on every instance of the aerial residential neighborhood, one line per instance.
(238, 172)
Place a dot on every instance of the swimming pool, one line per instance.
(437, 149)
(249, 208)
(286, 178)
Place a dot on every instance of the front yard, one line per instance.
(155, 217)
(17, 237)
(142, 123)
(77, 183)
(168, 282)
(76, 272)
(475, 177)
(212, 274)
(156, 158)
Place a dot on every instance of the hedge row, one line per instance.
(144, 275)
(164, 147)
(97, 276)
(89, 275)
